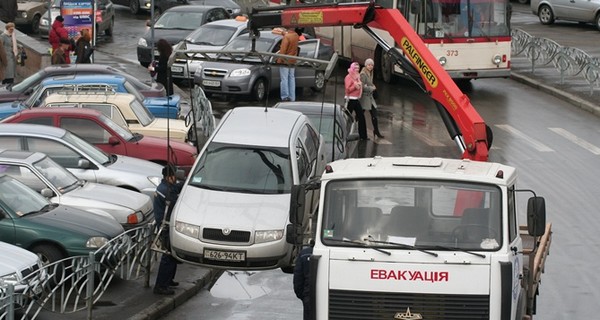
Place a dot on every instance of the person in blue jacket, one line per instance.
(302, 279)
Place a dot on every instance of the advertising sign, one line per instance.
(78, 15)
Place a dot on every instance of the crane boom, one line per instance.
(464, 123)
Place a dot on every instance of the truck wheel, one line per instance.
(48, 253)
(259, 89)
(134, 6)
(546, 15)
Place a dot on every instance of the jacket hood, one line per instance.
(57, 24)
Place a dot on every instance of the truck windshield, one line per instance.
(436, 215)
(244, 169)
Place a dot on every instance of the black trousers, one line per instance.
(359, 114)
(166, 271)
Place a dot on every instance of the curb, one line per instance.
(167, 304)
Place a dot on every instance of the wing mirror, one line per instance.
(536, 216)
(83, 164)
(113, 141)
(47, 193)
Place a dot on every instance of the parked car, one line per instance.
(240, 78)
(174, 25)
(29, 13)
(211, 36)
(84, 160)
(23, 89)
(231, 6)
(40, 173)
(233, 210)
(336, 125)
(126, 111)
(162, 107)
(580, 11)
(16, 265)
(50, 230)
(135, 6)
(105, 17)
(99, 130)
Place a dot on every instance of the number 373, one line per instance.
(451, 53)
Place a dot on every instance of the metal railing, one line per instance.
(76, 283)
(569, 62)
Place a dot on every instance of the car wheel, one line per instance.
(134, 6)
(35, 24)
(386, 66)
(319, 82)
(109, 30)
(259, 89)
(48, 253)
(597, 20)
(545, 14)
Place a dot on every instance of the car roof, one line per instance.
(31, 129)
(78, 97)
(258, 126)
(308, 107)
(85, 78)
(59, 111)
(193, 8)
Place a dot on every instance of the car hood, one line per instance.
(14, 259)
(78, 221)
(109, 198)
(170, 101)
(228, 65)
(173, 36)
(134, 165)
(23, 5)
(218, 209)
(180, 148)
(191, 46)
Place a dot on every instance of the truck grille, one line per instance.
(233, 236)
(214, 73)
(380, 305)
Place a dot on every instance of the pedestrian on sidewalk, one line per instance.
(58, 32)
(302, 279)
(83, 47)
(59, 55)
(367, 100)
(287, 73)
(165, 197)
(9, 45)
(161, 68)
(353, 92)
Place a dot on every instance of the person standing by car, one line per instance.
(367, 100)
(302, 279)
(83, 47)
(58, 32)
(8, 10)
(289, 46)
(165, 197)
(353, 92)
(9, 45)
(161, 69)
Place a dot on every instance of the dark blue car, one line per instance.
(160, 107)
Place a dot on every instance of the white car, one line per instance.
(40, 173)
(15, 265)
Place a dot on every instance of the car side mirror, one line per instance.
(83, 164)
(113, 141)
(47, 193)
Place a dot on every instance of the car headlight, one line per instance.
(267, 236)
(135, 218)
(187, 229)
(44, 22)
(24, 14)
(443, 61)
(155, 180)
(142, 42)
(96, 242)
(240, 72)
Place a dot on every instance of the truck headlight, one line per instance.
(497, 59)
(142, 42)
(267, 236)
(96, 242)
(443, 61)
(187, 229)
(240, 72)
(155, 180)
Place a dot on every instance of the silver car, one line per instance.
(583, 11)
(42, 174)
(84, 160)
(16, 265)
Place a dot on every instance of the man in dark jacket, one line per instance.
(302, 280)
(8, 10)
(58, 33)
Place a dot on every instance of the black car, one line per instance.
(174, 25)
(231, 6)
(23, 89)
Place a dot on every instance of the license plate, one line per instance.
(177, 69)
(211, 83)
(224, 255)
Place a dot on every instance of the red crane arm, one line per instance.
(436, 80)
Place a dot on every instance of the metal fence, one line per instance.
(569, 62)
(76, 283)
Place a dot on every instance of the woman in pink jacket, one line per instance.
(353, 91)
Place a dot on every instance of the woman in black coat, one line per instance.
(162, 70)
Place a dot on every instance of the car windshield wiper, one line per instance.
(45, 208)
(203, 43)
(461, 250)
(209, 187)
(400, 245)
(360, 243)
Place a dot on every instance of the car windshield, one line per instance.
(244, 44)
(60, 177)
(122, 132)
(324, 124)
(423, 213)
(29, 81)
(179, 20)
(212, 35)
(244, 169)
(20, 198)
(88, 149)
(142, 113)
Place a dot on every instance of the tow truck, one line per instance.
(413, 238)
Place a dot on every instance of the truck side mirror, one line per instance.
(297, 203)
(291, 235)
(536, 216)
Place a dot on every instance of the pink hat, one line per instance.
(354, 66)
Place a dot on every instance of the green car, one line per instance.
(52, 231)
